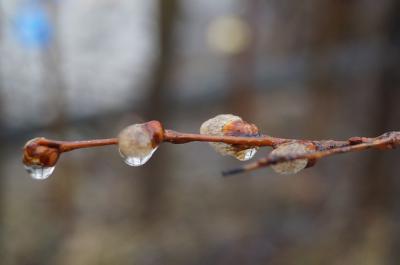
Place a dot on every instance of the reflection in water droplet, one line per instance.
(39, 172)
(246, 154)
(137, 161)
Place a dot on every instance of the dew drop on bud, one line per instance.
(136, 145)
(246, 154)
(39, 172)
(290, 167)
(137, 160)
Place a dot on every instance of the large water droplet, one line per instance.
(39, 172)
(246, 154)
(137, 161)
(136, 144)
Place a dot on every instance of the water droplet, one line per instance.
(39, 172)
(246, 154)
(136, 144)
(137, 160)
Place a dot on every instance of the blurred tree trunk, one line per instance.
(2, 150)
(60, 192)
(154, 178)
(393, 81)
(330, 22)
(379, 184)
(242, 93)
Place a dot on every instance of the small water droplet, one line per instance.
(246, 154)
(137, 161)
(39, 172)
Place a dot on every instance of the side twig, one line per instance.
(388, 140)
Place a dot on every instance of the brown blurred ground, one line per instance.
(310, 69)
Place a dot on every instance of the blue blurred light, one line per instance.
(32, 27)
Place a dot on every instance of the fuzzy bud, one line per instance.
(40, 155)
(230, 125)
(292, 148)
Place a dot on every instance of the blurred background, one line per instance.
(81, 69)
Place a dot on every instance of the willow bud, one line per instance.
(39, 155)
(230, 125)
(290, 149)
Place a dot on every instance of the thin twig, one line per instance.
(183, 138)
(389, 140)
(66, 146)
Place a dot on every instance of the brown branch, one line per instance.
(170, 136)
(66, 146)
(183, 138)
(45, 152)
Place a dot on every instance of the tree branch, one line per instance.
(45, 152)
